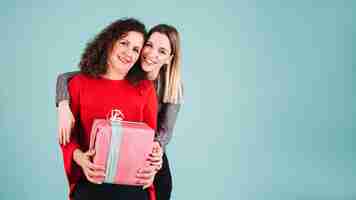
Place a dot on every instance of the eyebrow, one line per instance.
(161, 48)
(138, 46)
(123, 39)
(164, 49)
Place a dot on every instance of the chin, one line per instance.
(147, 69)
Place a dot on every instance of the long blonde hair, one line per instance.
(170, 75)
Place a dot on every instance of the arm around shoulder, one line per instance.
(62, 86)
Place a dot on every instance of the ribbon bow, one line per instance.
(116, 115)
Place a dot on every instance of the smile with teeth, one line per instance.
(124, 60)
(149, 61)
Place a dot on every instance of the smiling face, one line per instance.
(124, 54)
(156, 52)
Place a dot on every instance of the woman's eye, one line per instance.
(163, 52)
(136, 50)
(123, 43)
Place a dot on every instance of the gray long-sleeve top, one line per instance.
(167, 112)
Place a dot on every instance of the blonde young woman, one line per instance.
(160, 59)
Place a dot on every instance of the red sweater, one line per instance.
(93, 98)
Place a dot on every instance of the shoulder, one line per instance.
(67, 74)
(147, 84)
(146, 87)
(79, 78)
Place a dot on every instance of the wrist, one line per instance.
(160, 144)
(63, 104)
(157, 141)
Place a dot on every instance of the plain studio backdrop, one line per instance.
(269, 106)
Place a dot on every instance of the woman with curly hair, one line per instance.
(161, 60)
(109, 79)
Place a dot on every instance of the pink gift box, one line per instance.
(122, 147)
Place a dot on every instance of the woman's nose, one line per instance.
(152, 54)
(129, 53)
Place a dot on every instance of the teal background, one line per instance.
(269, 105)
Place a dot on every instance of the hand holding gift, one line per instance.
(94, 173)
(145, 176)
(155, 157)
(126, 149)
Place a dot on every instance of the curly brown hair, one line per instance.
(94, 59)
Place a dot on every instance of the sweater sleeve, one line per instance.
(150, 109)
(167, 118)
(62, 86)
(71, 168)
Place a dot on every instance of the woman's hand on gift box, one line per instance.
(146, 175)
(65, 122)
(155, 158)
(94, 173)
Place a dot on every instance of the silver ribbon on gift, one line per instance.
(115, 119)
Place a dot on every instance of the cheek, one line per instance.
(144, 67)
(146, 52)
(163, 60)
(115, 50)
(112, 58)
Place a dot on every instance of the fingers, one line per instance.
(148, 184)
(95, 167)
(146, 172)
(145, 182)
(60, 136)
(92, 176)
(157, 149)
(156, 145)
(69, 129)
(157, 153)
(154, 158)
(145, 177)
(67, 135)
(64, 135)
(157, 165)
(88, 164)
(96, 180)
(94, 173)
(90, 153)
